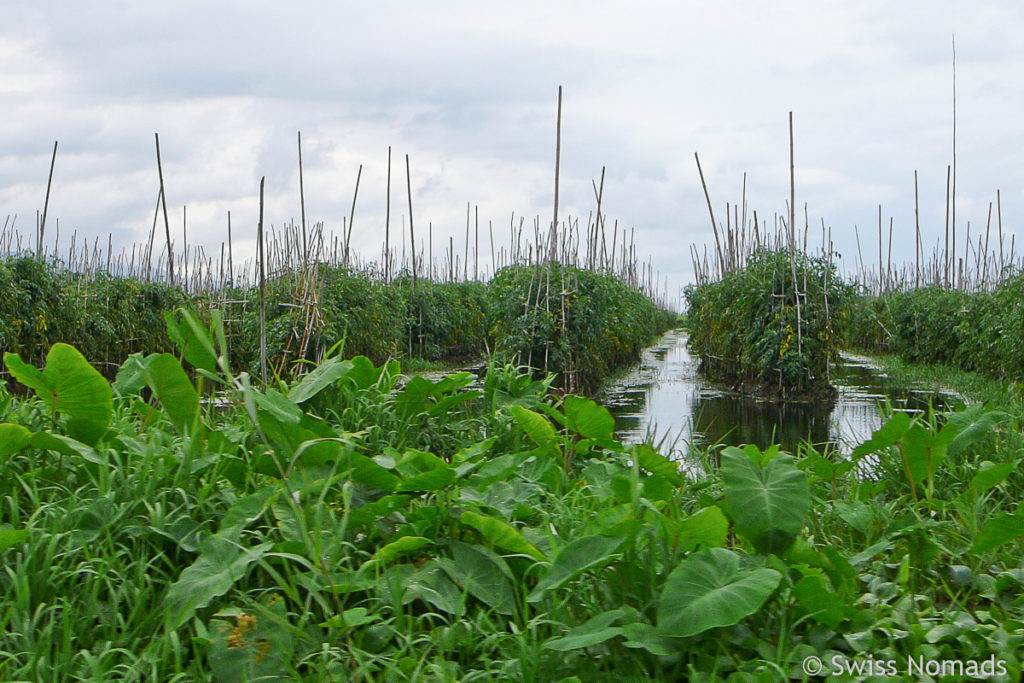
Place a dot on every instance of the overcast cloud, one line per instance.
(468, 91)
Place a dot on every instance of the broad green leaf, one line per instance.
(769, 503)
(221, 562)
(325, 374)
(378, 509)
(13, 438)
(178, 397)
(248, 509)
(924, 451)
(999, 531)
(640, 635)
(192, 339)
(822, 603)
(130, 377)
(279, 405)
(535, 425)
(707, 527)
(656, 463)
(992, 475)
(403, 546)
(588, 419)
(575, 558)
(857, 514)
(709, 589)
(434, 480)
(891, 432)
(252, 645)
(363, 373)
(68, 385)
(474, 568)
(29, 375)
(972, 424)
(11, 537)
(501, 534)
(594, 631)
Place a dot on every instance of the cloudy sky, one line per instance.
(468, 90)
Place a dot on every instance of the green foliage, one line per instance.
(356, 525)
(981, 331)
(569, 321)
(745, 328)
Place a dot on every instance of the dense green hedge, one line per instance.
(982, 331)
(744, 326)
(579, 324)
(107, 318)
(604, 325)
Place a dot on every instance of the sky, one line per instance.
(469, 91)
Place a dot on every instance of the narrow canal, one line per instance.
(666, 397)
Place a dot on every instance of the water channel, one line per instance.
(665, 396)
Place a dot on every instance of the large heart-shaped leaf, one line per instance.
(326, 374)
(769, 503)
(222, 561)
(70, 386)
(589, 419)
(574, 559)
(501, 534)
(172, 386)
(708, 590)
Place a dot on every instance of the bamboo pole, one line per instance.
(167, 224)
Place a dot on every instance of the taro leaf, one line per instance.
(326, 374)
(709, 589)
(130, 378)
(11, 537)
(363, 374)
(999, 531)
(403, 546)
(414, 398)
(535, 426)
(172, 386)
(594, 631)
(588, 419)
(248, 509)
(194, 341)
(707, 527)
(575, 558)
(924, 451)
(821, 603)
(990, 476)
(434, 480)
(221, 562)
(69, 385)
(769, 504)
(377, 510)
(482, 574)
(501, 534)
(13, 438)
(891, 432)
(280, 406)
(643, 635)
(251, 646)
(432, 585)
(972, 424)
(656, 463)
(857, 514)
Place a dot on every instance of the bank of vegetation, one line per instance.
(350, 525)
(770, 326)
(566, 320)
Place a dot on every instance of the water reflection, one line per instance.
(665, 395)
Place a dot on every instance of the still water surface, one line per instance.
(666, 395)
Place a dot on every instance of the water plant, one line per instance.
(354, 524)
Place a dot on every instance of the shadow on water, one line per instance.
(666, 396)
